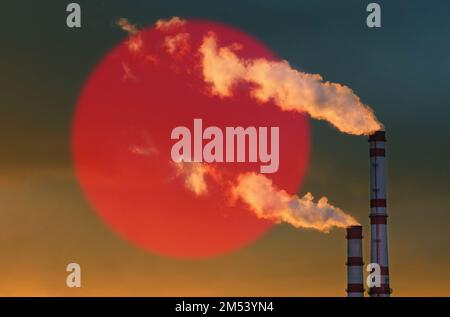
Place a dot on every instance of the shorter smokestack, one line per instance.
(355, 283)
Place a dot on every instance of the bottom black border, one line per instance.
(148, 306)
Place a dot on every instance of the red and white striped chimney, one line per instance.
(378, 212)
(355, 279)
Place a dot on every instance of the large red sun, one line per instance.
(121, 141)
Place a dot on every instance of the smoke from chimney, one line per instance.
(269, 202)
(289, 88)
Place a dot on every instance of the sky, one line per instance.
(401, 70)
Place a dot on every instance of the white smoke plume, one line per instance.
(126, 26)
(178, 43)
(135, 41)
(195, 175)
(289, 88)
(265, 200)
(268, 202)
(169, 24)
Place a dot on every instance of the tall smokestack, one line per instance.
(378, 212)
(355, 286)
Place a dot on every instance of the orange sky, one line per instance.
(46, 224)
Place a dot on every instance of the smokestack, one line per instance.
(355, 286)
(378, 212)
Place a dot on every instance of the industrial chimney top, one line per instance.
(378, 136)
(354, 232)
